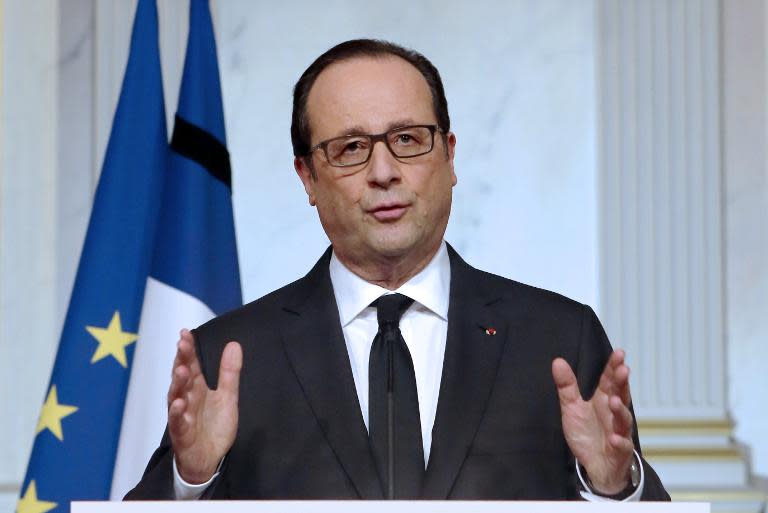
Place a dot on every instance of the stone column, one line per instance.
(28, 210)
(661, 244)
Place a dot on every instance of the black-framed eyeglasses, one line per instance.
(403, 142)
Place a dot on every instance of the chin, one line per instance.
(396, 245)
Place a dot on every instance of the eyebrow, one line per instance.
(359, 130)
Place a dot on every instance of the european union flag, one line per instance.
(178, 261)
(79, 425)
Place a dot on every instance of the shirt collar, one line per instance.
(429, 288)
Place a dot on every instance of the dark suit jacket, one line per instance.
(497, 433)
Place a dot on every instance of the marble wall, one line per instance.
(28, 227)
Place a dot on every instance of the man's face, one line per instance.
(388, 209)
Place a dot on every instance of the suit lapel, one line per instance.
(314, 344)
(470, 364)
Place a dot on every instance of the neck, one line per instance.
(389, 272)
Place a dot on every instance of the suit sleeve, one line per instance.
(594, 351)
(157, 481)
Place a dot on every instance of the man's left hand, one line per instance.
(599, 431)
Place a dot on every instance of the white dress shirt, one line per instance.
(424, 327)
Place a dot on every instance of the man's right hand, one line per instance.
(202, 422)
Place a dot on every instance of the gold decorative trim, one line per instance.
(685, 423)
(685, 427)
(693, 453)
(718, 495)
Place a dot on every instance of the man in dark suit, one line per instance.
(488, 379)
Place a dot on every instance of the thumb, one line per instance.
(229, 368)
(565, 381)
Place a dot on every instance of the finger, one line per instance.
(617, 384)
(178, 422)
(608, 379)
(186, 352)
(229, 369)
(565, 381)
(614, 379)
(179, 382)
(176, 410)
(622, 384)
(622, 418)
(621, 444)
(178, 359)
(617, 357)
(195, 395)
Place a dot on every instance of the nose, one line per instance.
(384, 168)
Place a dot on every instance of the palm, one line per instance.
(202, 422)
(598, 431)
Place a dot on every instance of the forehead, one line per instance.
(371, 94)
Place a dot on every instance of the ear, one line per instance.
(450, 142)
(306, 175)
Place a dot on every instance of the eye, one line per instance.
(405, 139)
(353, 146)
(347, 147)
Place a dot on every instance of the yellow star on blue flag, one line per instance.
(52, 413)
(29, 503)
(112, 341)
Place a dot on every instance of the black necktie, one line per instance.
(393, 409)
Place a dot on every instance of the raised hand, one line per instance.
(599, 431)
(202, 423)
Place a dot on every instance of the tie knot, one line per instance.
(390, 308)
